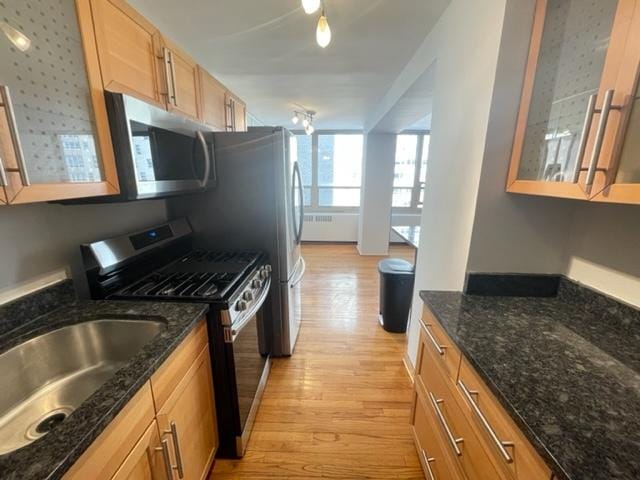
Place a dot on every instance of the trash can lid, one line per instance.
(396, 266)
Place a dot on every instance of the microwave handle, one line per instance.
(207, 159)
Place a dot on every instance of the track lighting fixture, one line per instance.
(307, 120)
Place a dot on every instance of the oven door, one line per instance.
(159, 153)
(250, 367)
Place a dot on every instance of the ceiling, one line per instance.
(265, 51)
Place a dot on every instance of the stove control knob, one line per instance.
(256, 283)
(264, 274)
(248, 296)
(267, 268)
(241, 305)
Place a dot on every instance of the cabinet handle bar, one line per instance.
(165, 456)
(602, 126)
(15, 137)
(427, 462)
(586, 128)
(173, 430)
(454, 441)
(485, 423)
(439, 348)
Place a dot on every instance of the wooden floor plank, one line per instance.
(339, 407)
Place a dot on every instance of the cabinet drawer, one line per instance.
(458, 434)
(172, 371)
(504, 439)
(440, 344)
(436, 462)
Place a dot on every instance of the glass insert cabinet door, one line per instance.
(49, 134)
(570, 97)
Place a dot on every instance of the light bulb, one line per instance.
(323, 32)
(305, 122)
(295, 119)
(309, 129)
(19, 39)
(310, 6)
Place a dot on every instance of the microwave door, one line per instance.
(167, 162)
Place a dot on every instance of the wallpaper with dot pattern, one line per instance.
(50, 92)
(572, 54)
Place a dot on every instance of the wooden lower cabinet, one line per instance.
(188, 420)
(145, 460)
(176, 439)
(460, 429)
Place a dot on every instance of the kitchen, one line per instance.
(541, 237)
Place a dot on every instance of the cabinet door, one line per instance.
(575, 56)
(212, 99)
(181, 73)
(620, 155)
(188, 420)
(129, 48)
(55, 135)
(146, 460)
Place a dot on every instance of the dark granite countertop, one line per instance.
(53, 454)
(567, 368)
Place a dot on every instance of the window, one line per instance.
(410, 171)
(331, 167)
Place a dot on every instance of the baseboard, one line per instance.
(409, 366)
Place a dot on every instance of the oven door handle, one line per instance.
(246, 318)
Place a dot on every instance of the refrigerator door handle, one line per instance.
(298, 278)
(297, 176)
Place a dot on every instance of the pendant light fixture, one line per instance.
(310, 6)
(307, 120)
(323, 31)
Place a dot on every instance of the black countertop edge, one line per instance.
(52, 455)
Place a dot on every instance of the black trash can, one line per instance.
(396, 289)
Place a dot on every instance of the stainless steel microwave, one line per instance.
(158, 153)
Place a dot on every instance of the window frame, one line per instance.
(315, 206)
(415, 206)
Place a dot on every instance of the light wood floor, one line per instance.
(339, 407)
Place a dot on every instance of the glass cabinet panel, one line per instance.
(42, 64)
(629, 167)
(569, 69)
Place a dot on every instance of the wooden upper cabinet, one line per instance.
(130, 51)
(54, 133)
(181, 73)
(236, 113)
(583, 58)
(212, 100)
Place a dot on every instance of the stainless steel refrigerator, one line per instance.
(258, 204)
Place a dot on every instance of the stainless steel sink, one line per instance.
(46, 378)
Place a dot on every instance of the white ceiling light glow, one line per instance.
(323, 32)
(310, 6)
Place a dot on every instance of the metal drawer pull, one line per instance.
(176, 448)
(584, 136)
(454, 441)
(165, 456)
(439, 348)
(485, 423)
(597, 145)
(427, 461)
(15, 137)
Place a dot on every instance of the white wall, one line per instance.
(604, 249)
(465, 44)
(377, 190)
(42, 238)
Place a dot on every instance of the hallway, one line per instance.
(339, 408)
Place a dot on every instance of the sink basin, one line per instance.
(46, 378)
